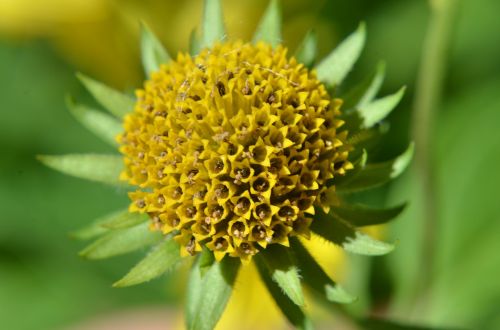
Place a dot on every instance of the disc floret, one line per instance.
(232, 148)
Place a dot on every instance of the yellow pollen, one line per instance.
(232, 148)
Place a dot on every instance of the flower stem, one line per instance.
(427, 100)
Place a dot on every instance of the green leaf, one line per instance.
(121, 241)
(373, 112)
(125, 219)
(334, 68)
(207, 295)
(283, 269)
(366, 91)
(117, 103)
(153, 54)
(342, 233)
(306, 52)
(374, 175)
(359, 164)
(293, 313)
(162, 258)
(316, 278)
(115, 220)
(269, 28)
(94, 167)
(101, 124)
(194, 43)
(213, 23)
(361, 215)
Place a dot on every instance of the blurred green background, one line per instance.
(45, 285)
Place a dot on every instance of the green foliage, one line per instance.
(153, 54)
(334, 68)
(100, 168)
(209, 291)
(373, 112)
(316, 278)
(116, 220)
(269, 28)
(376, 174)
(282, 268)
(160, 259)
(121, 241)
(102, 125)
(340, 232)
(306, 52)
(365, 92)
(292, 311)
(117, 103)
(361, 215)
(213, 23)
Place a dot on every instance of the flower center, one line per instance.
(231, 148)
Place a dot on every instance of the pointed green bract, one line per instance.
(125, 219)
(334, 68)
(213, 23)
(121, 241)
(94, 167)
(208, 294)
(194, 43)
(373, 112)
(316, 278)
(345, 235)
(162, 258)
(293, 313)
(115, 220)
(374, 175)
(101, 124)
(269, 28)
(366, 91)
(306, 52)
(361, 215)
(153, 54)
(119, 104)
(283, 269)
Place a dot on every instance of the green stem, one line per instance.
(427, 100)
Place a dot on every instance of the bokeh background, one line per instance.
(45, 285)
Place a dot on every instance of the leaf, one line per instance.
(121, 241)
(293, 313)
(374, 175)
(125, 219)
(343, 234)
(283, 269)
(377, 110)
(213, 23)
(334, 68)
(359, 164)
(101, 124)
(269, 28)
(207, 295)
(366, 91)
(162, 258)
(153, 54)
(316, 278)
(115, 220)
(117, 103)
(194, 43)
(94, 167)
(361, 215)
(306, 52)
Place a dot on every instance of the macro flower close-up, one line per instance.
(257, 178)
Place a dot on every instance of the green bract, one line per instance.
(282, 269)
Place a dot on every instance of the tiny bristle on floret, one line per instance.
(232, 148)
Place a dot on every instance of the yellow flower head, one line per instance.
(232, 148)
